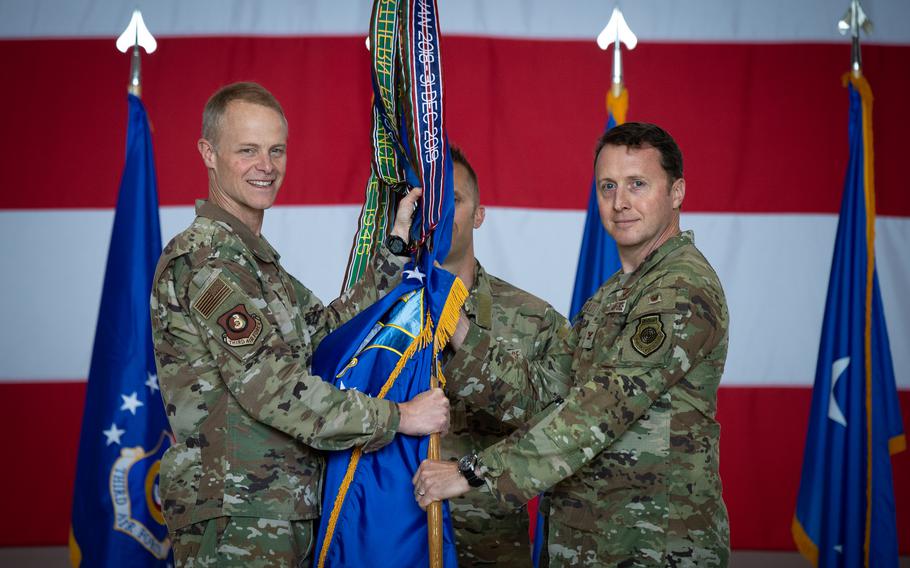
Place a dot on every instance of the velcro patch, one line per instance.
(240, 327)
(587, 335)
(616, 307)
(212, 297)
(649, 335)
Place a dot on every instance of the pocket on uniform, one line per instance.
(178, 482)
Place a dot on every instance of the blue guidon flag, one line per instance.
(845, 507)
(117, 519)
(391, 349)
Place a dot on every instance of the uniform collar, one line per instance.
(627, 281)
(480, 299)
(260, 247)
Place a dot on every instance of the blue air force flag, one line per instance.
(117, 519)
(845, 507)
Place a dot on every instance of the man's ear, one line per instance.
(678, 192)
(207, 151)
(479, 215)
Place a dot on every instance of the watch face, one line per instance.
(396, 245)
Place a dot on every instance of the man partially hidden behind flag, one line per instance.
(391, 350)
(845, 508)
(117, 518)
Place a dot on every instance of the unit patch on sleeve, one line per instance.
(240, 327)
(649, 335)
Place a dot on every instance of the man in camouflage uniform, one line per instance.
(631, 454)
(486, 533)
(234, 334)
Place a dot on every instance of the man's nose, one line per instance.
(265, 163)
(620, 199)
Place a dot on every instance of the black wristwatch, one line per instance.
(466, 466)
(397, 245)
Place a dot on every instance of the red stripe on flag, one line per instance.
(41, 422)
(763, 127)
(762, 436)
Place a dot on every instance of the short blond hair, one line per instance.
(254, 93)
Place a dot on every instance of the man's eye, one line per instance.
(247, 151)
(277, 152)
(638, 183)
(607, 186)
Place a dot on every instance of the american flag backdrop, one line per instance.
(751, 91)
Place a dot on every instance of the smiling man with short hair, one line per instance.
(234, 334)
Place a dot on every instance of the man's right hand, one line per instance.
(406, 209)
(424, 414)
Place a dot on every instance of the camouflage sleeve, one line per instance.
(491, 375)
(552, 336)
(653, 352)
(222, 307)
(381, 276)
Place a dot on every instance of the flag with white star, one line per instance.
(845, 510)
(391, 350)
(117, 518)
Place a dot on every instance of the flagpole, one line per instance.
(116, 512)
(136, 35)
(434, 511)
(617, 32)
(853, 21)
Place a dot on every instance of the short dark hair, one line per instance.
(458, 157)
(254, 93)
(646, 135)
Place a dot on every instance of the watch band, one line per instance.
(466, 467)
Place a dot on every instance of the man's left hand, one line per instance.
(437, 480)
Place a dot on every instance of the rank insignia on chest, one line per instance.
(587, 335)
(649, 335)
(240, 327)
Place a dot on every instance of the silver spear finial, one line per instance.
(616, 32)
(135, 35)
(853, 21)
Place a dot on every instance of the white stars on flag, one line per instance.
(152, 382)
(834, 411)
(131, 402)
(416, 274)
(113, 434)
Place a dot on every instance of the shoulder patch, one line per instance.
(649, 335)
(212, 297)
(240, 327)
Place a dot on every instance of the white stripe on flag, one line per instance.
(774, 269)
